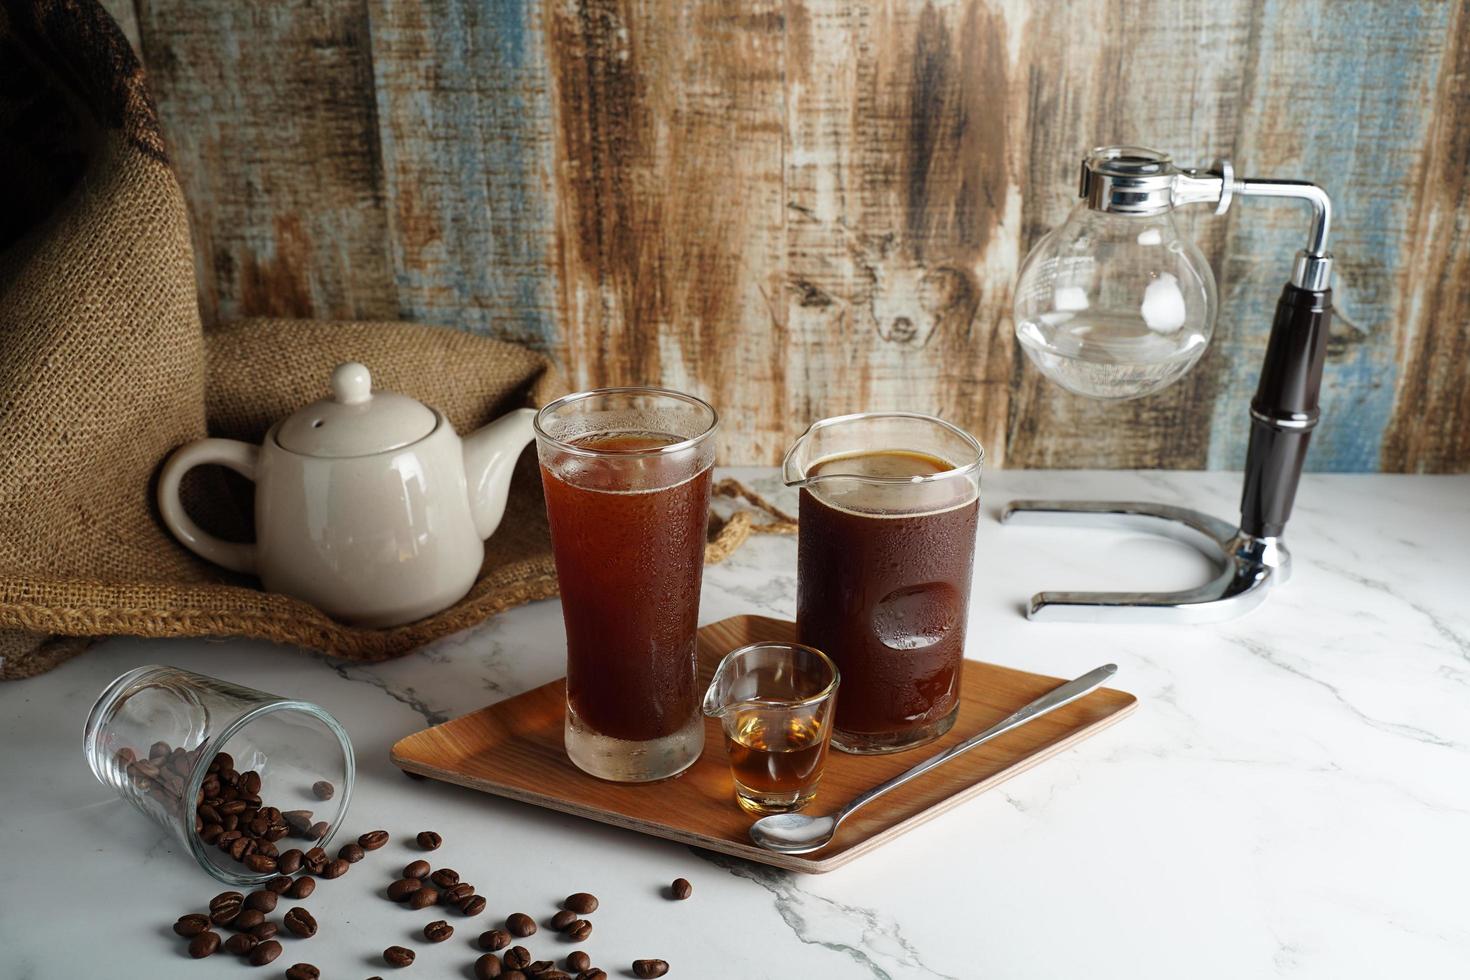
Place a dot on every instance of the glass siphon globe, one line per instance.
(1115, 306)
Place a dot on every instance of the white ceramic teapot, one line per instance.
(367, 504)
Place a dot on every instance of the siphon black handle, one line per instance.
(1284, 411)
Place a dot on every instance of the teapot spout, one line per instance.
(490, 455)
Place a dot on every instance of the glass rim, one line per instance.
(964, 469)
(216, 743)
(826, 692)
(546, 411)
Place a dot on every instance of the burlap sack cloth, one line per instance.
(105, 369)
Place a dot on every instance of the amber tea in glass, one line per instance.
(626, 473)
(889, 504)
(774, 703)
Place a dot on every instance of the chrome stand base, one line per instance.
(1248, 566)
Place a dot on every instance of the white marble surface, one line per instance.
(1291, 798)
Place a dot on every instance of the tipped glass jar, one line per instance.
(234, 774)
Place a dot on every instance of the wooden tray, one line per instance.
(514, 749)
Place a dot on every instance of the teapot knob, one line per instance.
(351, 383)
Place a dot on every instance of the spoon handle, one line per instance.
(1050, 701)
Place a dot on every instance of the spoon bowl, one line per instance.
(793, 833)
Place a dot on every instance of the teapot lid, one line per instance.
(356, 421)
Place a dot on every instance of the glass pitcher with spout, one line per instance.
(889, 506)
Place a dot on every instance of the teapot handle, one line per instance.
(238, 456)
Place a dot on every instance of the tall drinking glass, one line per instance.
(626, 473)
(889, 507)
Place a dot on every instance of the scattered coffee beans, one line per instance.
(247, 920)
(398, 956)
(315, 860)
(280, 883)
(404, 887)
(539, 968)
(438, 931)
(373, 839)
(263, 900)
(494, 939)
(681, 889)
(204, 945)
(487, 967)
(224, 907)
(300, 922)
(302, 887)
(473, 905)
(579, 961)
(336, 869)
(260, 863)
(445, 877)
(517, 957)
(266, 930)
(562, 919)
(579, 930)
(303, 971)
(191, 925)
(416, 869)
(265, 952)
(423, 898)
(457, 894)
(649, 969)
(241, 943)
(289, 862)
(351, 853)
(429, 840)
(592, 974)
(581, 903)
(520, 925)
(322, 789)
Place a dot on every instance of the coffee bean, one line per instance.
(263, 900)
(513, 975)
(336, 869)
(581, 903)
(250, 781)
(300, 922)
(579, 961)
(416, 869)
(517, 957)
(278, 884)
(438, 931)
(247, 920)
(592, 974)
(204, 945)
(404, 887)
(351, 853)
(315, 860)
(579, 930)
(487, 967)
(562, 919)
(241, 943)
(457, 894)
(423, 898)
(191, 925)
(224, 907)
(303, 971)
(210, 833)
(289, 862)
(445, 877)
(398, 956)
(373, 839)
(429, 840)
(265, 952)
(266, 930)
(494, 939)
(473, 905)
(520, 924)
(299, 821)
(681, 889)
(539, 968)
(322, 789)
(649, 969)
(302, 887)
(261, 864)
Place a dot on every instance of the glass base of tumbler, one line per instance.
(622, 761)
(763, 803)
(881, 743)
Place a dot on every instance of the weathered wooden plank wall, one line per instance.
(803, 207)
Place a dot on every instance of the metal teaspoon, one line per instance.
(797, 833)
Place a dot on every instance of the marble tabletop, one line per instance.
(1292, 796)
